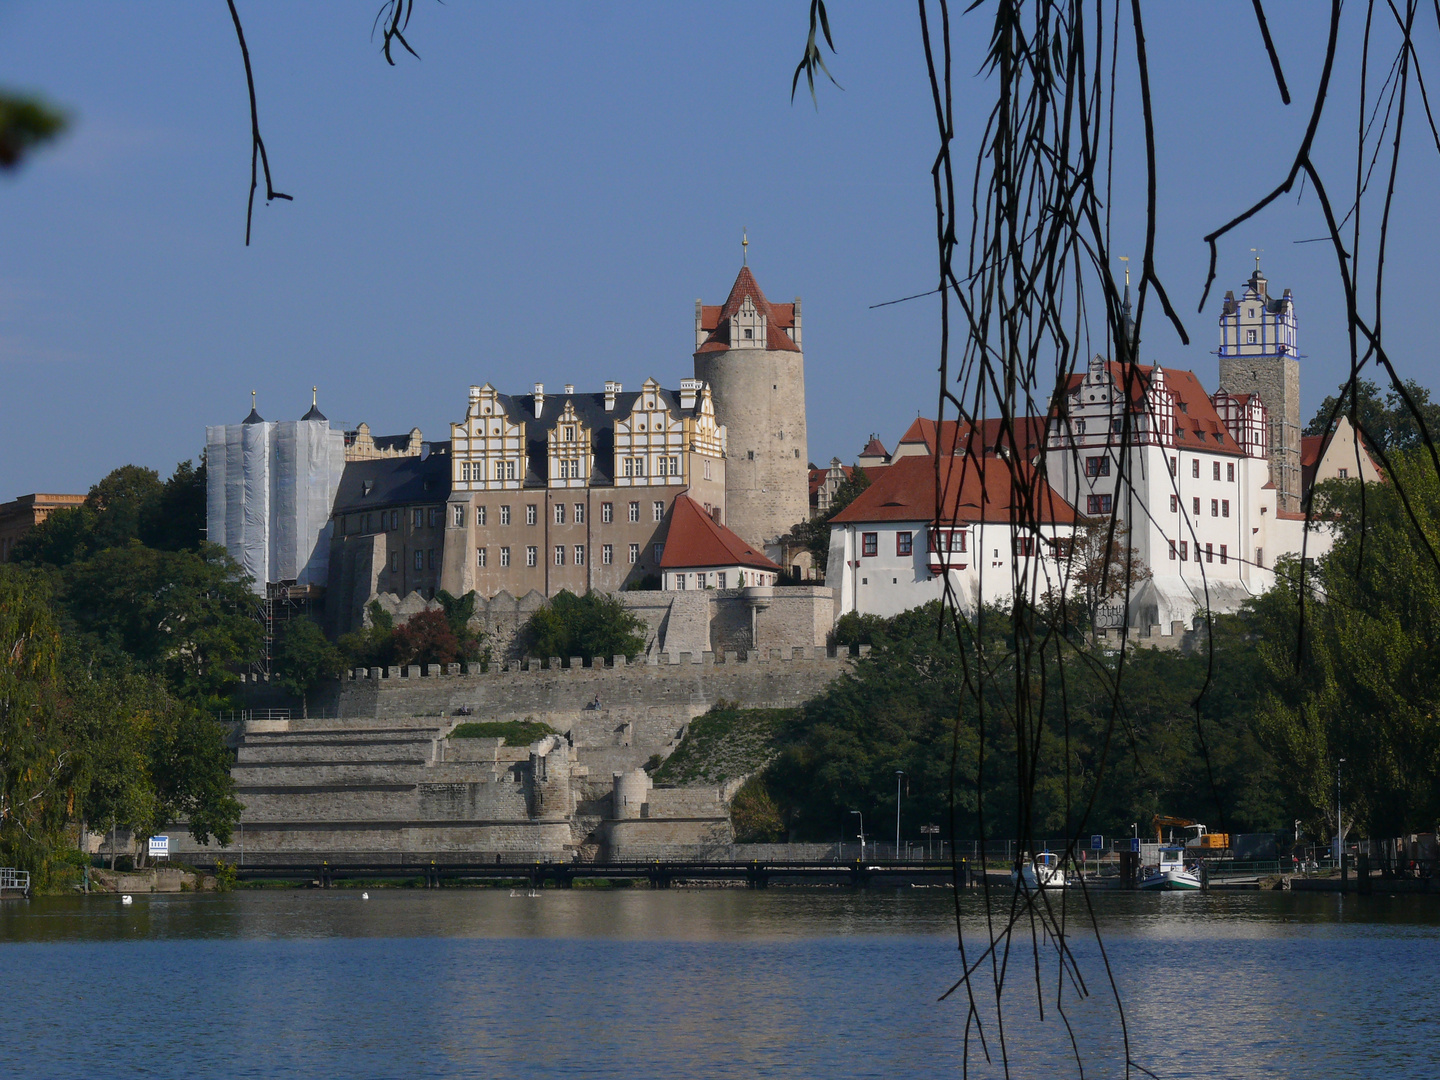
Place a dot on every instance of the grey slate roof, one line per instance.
(386, 482)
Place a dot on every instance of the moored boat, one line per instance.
(1043, 871)
(1172, 875)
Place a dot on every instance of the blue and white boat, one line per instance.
(1172, 875)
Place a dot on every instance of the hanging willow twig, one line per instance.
(257, 144)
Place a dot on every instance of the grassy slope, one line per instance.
(723, 744)
(514, 732)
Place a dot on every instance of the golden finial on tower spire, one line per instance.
(1257, 252)
(744, 245)
(314, 397)
(1126, 260)
(252, 400)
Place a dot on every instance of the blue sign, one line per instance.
(1097, 842)
(1135, 843)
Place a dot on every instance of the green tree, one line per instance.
(1387, 423)
(302, 658)
(372, 645)
(458, 613)
(595, 624)
(173, 519)
(36, 763)
(186, 615)
(1354, 672)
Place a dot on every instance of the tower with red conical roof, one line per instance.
(750, 352)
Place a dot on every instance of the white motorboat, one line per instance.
(1043, 871)
(1172, 875)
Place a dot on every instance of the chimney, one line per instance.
(699, 319)
(569, 388)
(689, 392)
(611, 389)
(539, 399)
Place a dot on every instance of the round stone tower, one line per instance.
(749, 351)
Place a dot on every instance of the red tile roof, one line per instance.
(696, 539)
(955, 436)
(778, 317)
(1311, 447)
(1197, 424)
(973, 489)
(875, 448)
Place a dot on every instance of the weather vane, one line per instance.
(1257, 252)
(744, 245)
(1126, 260)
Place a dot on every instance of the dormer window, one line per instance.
(569, 434)
(749, 334)
(1249, 337)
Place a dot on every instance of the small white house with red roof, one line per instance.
(930, 528)
(700, 553)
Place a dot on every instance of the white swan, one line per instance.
(364, 896)
(126, 900)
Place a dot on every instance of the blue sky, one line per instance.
(543, 196)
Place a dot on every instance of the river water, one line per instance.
(708, 983)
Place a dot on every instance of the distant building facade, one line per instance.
(21, 515)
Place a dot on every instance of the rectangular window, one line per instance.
(1209, 553)
(658, 509)
(1117, 425)
(499, 470)
(1230, 471)
(870, 544)
(1195, 510)
(480, 557)
(532, 514)
(707, 468)
(1174, 504)
(532, 556)
(559, 513)
(579, 513)
(674, 466)
(607, 512)
(607, 554)
(579, 554)
(1097, 504)
(1224, 507)
(720, 580)
(559, 554)
(1195, 468)
(504, 556)
(680, 582)
(629, 466)
(1060, 547)
(482, 516)
(658, 550)
(903, 541)
(419, 560)
(1215, 470)
(433, 517)
(395, 561)
(1184, 551)
(1097, 466)
(1173, 465)
(417, 518)
(430, 555)
(1344, 474)
(639, 466)
(457, 515)
(504, 515)
(1172, 550)
(634, 554)
(1224, 555)
(1023, 546)
(1214, 507)
(1260, 557)
(465, 471)
(634, 512)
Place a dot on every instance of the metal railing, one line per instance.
(12, 880)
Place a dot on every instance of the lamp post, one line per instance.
(898, 774)
(1339, 821)
(862, 833)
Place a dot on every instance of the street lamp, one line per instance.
(1339, 821)
(862, 833)
(898, 774)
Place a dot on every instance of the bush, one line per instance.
(755, 815)
(591, 625)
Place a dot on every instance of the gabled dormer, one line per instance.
(702, 434)
(650, 440)
(488, 447)
(747, 326)
(569, 449)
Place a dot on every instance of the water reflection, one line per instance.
(699, 983)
